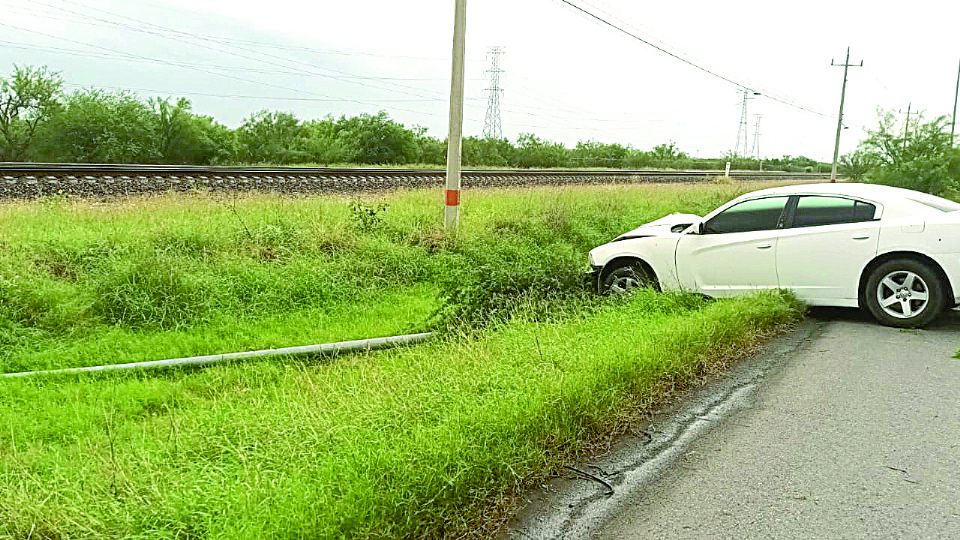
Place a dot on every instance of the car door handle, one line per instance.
(861, 237)
(764, 246)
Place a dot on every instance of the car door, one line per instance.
(734, 252)
(824, 247)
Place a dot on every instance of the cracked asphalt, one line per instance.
(840, 429)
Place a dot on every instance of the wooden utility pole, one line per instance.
(906, 127)
(452, 193)
(843, 92)
(956, 91)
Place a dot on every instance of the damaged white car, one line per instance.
(894, 252)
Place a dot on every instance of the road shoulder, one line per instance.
(841, 428)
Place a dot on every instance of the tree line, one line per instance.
(40, 121)
(918, 155)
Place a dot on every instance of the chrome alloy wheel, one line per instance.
(625, 279)
(623, 284)
(903, 294)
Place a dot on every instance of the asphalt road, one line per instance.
(842, 429)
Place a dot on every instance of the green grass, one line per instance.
(409, 443)
(420, 442)
(374, 315)
(179, 275)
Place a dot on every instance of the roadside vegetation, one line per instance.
(920, 156)
(528, 370)
(39, 121)
(177, 275)
(404, 444)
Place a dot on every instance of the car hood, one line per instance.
(665, 226)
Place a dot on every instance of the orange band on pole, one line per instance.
(453, 197)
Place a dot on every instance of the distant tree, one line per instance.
(535, 152)
(597, 154)
(215, 143)
(173, 123)
(28, 98)
(925, 160)
(375, 138)
(96, 126)
(433, 151)
(183, 137)
(857, 164)
(667, 152)
(488, 152)
(272, 137)
(320, 141)
(790, 163)
(666, 155)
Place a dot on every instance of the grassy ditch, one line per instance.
(413, 443)
(177, 275)
(410, 443)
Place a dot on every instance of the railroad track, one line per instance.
(32, 180)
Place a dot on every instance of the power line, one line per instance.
(164, 32)
(86, 19)
(136, 58)
(254, 81)
(189, 38)
(542, 96)
(233, 96)
(90, 54)
(774, 97)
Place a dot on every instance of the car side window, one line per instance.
(814, 210)
(755, 215)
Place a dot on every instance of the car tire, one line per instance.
(624, 279)
(904, 293)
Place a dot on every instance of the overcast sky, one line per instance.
(566, 77)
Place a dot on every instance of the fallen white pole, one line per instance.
(325, 349)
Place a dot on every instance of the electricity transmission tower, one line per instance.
(743, 131)
(491, 123)
(755, 151)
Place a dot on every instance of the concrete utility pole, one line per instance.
(452, 194)
(843, 92)
(956, 92)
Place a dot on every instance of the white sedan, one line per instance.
(895, 252)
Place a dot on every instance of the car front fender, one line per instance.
(656, 252)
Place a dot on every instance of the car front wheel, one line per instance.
(624, 279)
(904, 293)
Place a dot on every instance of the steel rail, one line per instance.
(31, 180)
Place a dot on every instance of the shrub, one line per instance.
(151, 294)
(492, 277)
(72, 262)
(366, 217)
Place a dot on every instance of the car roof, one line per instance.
(898, 202)
(838, 188)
